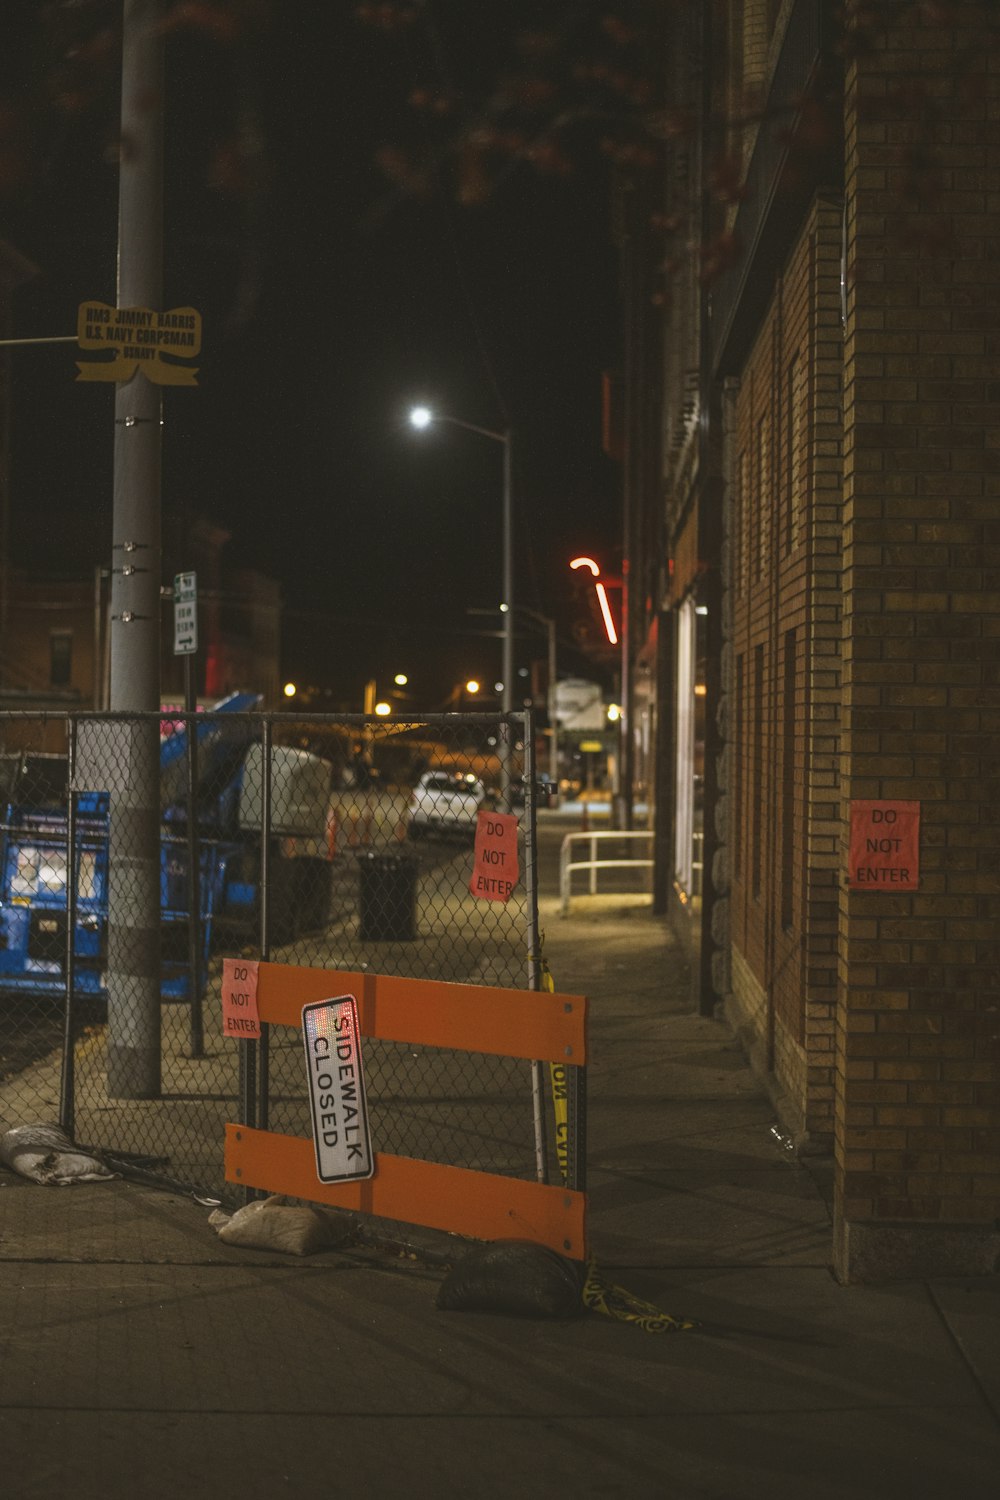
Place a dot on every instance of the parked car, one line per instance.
(446, 804)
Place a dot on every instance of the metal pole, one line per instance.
(576, 1090)
(58, 338)
(553, 727)
(507, 669)
(195, 935)
(134, 847)
(98, 636)
(506, 438)
(67, 1081)
(630, 472)
(538, 1069)
(264, 1045)
(252, 1084)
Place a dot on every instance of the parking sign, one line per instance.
(185, 613)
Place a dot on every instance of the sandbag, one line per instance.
(46, 1155)
(516, 1277)
(274, 1224)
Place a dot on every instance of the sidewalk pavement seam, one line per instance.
(991, 1406)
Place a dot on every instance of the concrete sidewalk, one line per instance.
(142, 1357)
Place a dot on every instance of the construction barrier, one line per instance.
(533, 1025)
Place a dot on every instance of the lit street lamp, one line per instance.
(374, 705)
(422, 417)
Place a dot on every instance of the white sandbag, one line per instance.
(46, 1155)
(273, 1224)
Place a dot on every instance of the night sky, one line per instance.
(332, 297)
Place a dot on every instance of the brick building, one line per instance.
(818, 556)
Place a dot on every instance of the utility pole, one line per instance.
(134, 852)
(550, 632)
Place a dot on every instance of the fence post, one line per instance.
(538, 1070)
(67, 1080)
(264, 1045)
(248, 1049)
(194, 872)
(576, 1103)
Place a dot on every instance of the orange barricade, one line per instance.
(531, 1024)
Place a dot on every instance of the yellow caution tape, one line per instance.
(598, 1294)
(560, 1093)
(615, 1302)
(560, 1111)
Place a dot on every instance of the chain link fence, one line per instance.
(340, 843)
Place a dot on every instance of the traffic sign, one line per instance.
(332, 1041)
(185, 613)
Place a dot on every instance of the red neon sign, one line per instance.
(602, 596)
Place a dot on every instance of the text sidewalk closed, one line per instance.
(337, 1090)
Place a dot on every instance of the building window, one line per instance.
(737, 765)
(60, 658)
(741, 523)
(763, 496)
(794, 401)
(788, 784)
(757, 770)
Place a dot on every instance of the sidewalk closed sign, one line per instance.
(337, 1090)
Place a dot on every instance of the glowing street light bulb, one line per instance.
(421, 417)
(472, 686)
(289, 689)
(400, 679)
(383, 709)
(614, 713)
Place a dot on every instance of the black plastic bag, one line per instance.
(516, 1277)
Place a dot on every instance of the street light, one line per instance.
(422, 417)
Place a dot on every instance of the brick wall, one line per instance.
(918, 1091)
(785, 569)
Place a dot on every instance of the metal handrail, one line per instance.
(593, 864)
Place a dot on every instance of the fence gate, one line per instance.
(331, 842)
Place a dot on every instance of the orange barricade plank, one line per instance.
(532, 1024)
(454, 1199)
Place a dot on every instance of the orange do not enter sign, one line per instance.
(495, 870)
(885, 846)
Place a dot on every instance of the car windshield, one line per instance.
(444, 784)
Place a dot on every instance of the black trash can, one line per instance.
(388, 897)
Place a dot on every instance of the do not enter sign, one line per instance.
(494, 863)
(885, 846)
